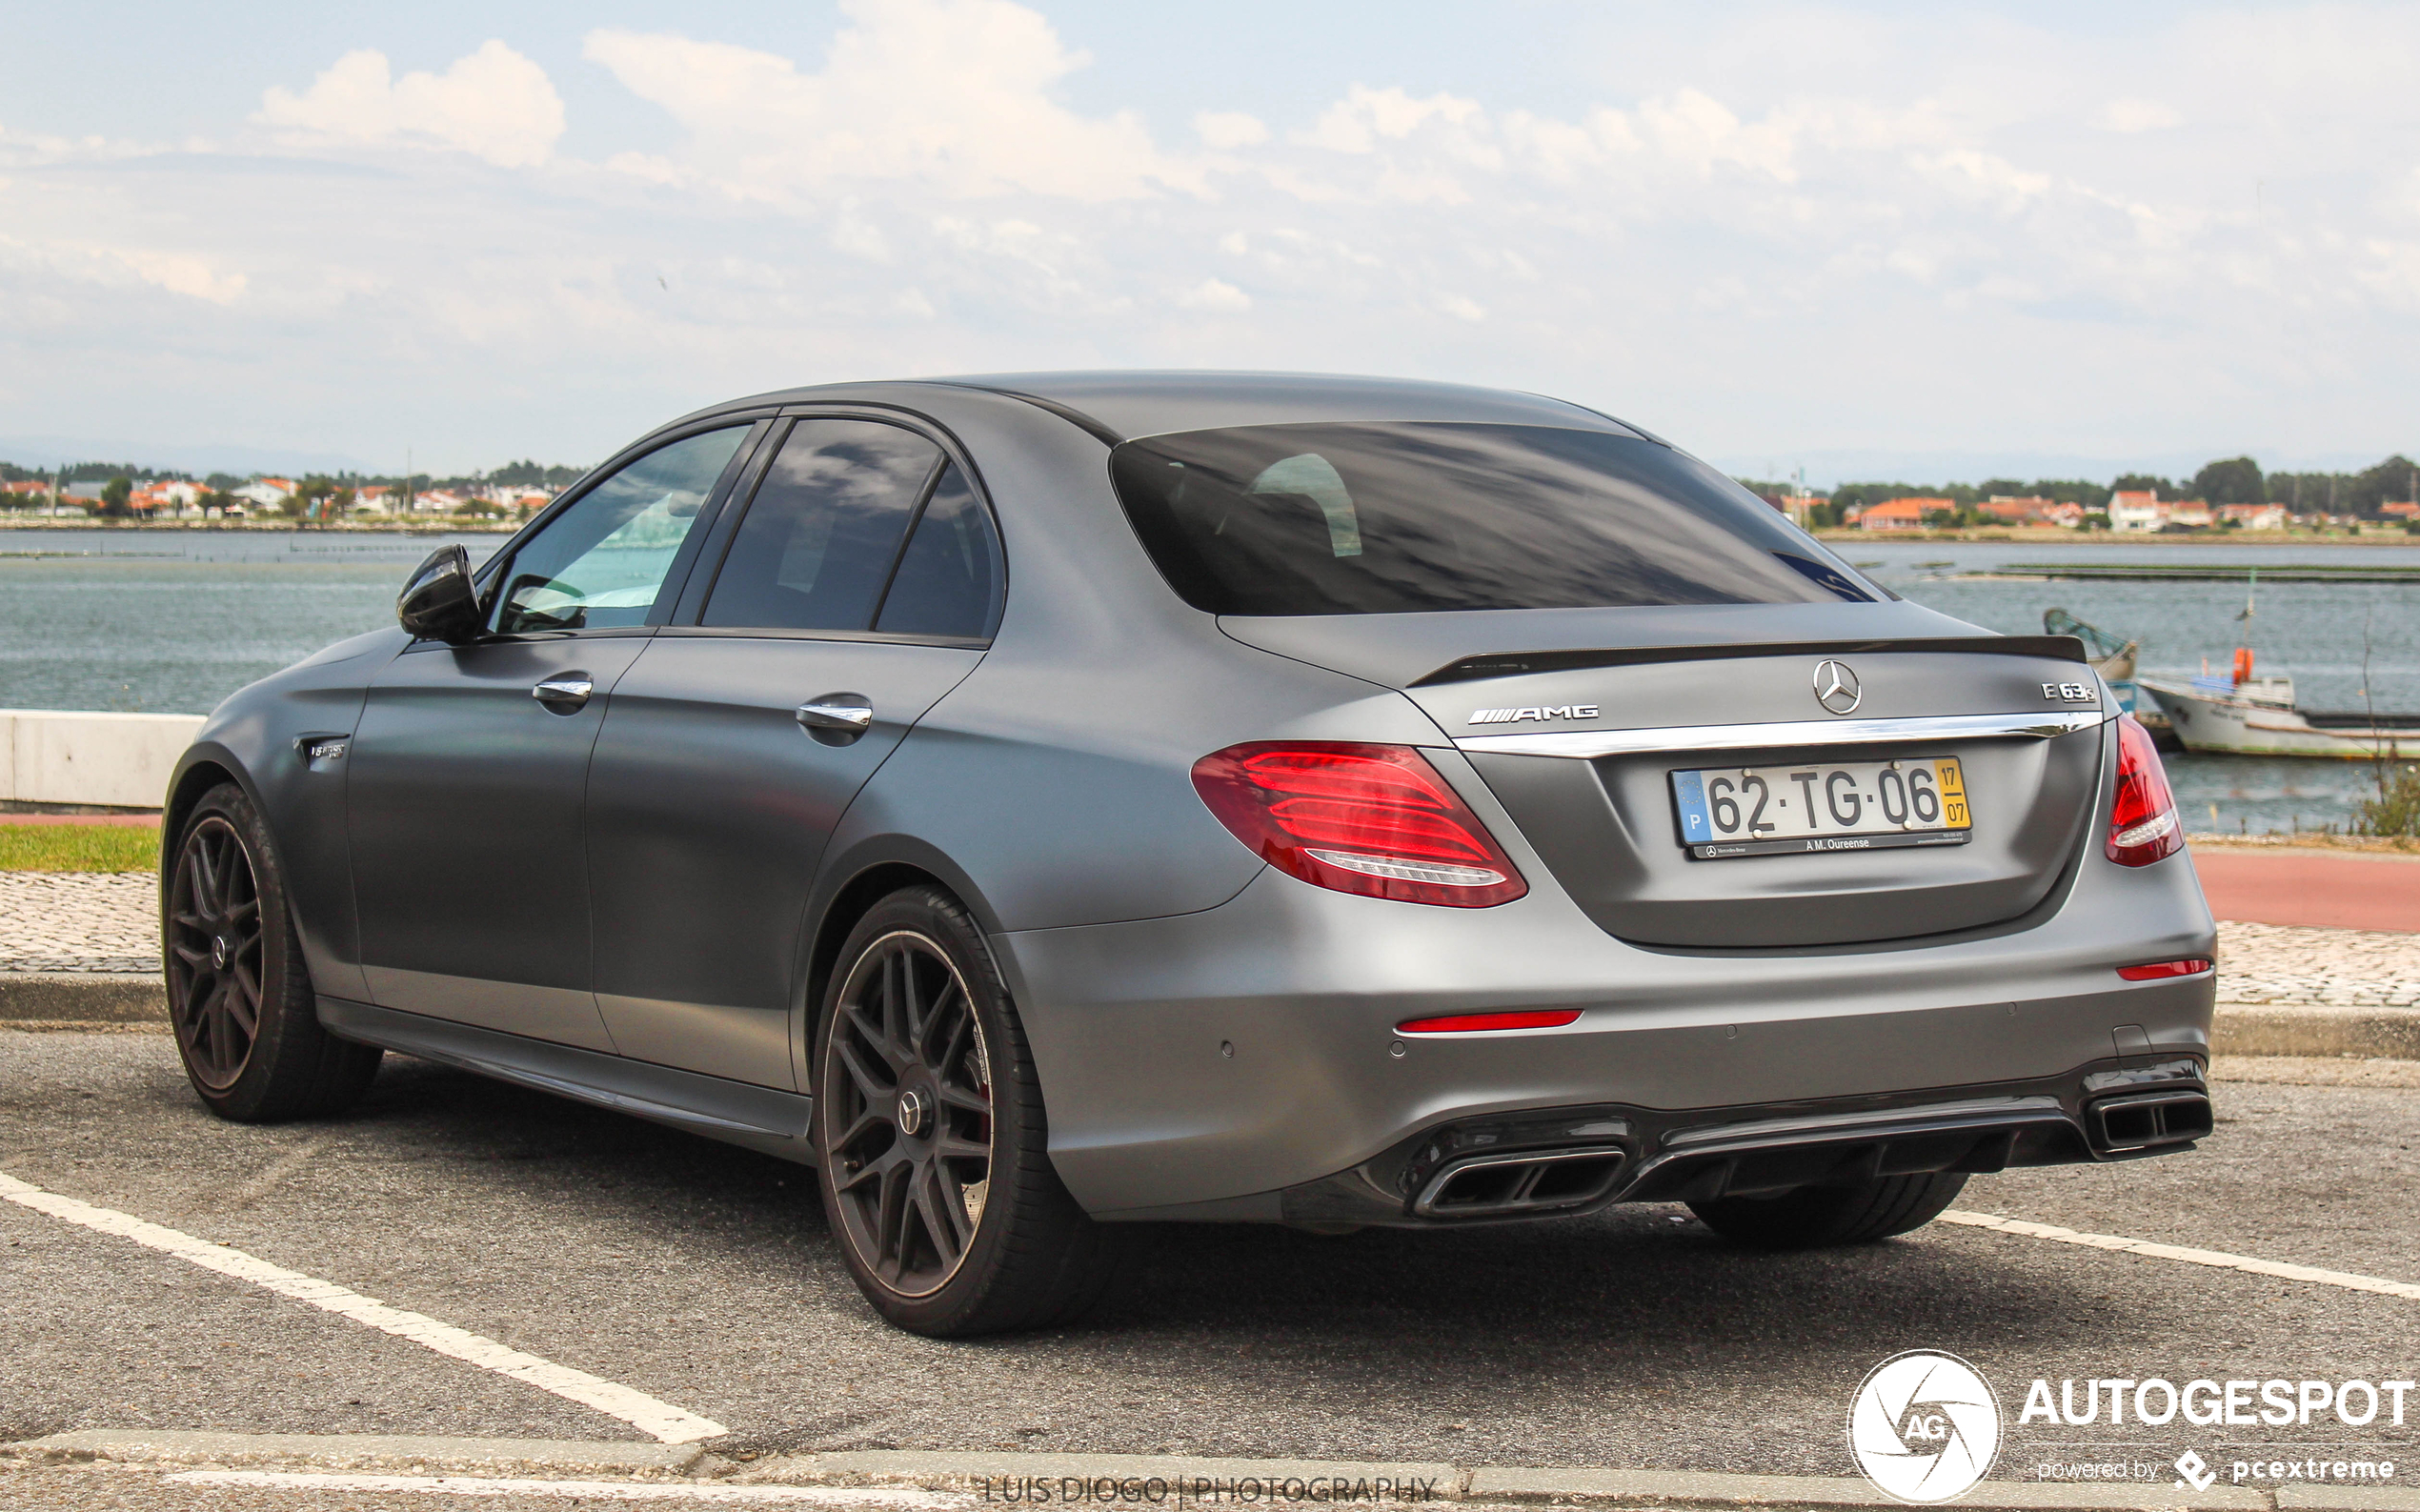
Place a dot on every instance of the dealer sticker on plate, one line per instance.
(1822, 806)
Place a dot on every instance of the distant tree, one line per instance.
(115, 497)
(2390, 480)
(2096, 521)
(2237, 480)
(2137, 482)
(2003, 487)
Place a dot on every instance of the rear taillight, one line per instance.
(1373, 819)
(2143, 823)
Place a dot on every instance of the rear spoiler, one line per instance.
(1515, 664)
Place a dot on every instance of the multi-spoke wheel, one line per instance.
(911, 1111)
(214, 952)
(238, 993)
(930, 1133)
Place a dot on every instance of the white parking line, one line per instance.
(641, 1411)
(584, 1490)
(2191, 1257)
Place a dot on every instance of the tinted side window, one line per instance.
(821, 536)
(949, 581)
(600, 562)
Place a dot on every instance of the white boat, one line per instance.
(2258, 716)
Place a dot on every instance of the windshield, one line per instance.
(1397, 518)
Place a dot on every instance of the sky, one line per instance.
(1922, 241)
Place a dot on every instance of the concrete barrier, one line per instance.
(114, 760)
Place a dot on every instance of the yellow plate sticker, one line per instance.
(1953, 793)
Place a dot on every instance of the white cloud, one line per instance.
(493, 103)
(954, 93)
(1216, 294)
(1228, 130)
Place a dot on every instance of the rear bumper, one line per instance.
(1556, 1163)
(1232, 1064)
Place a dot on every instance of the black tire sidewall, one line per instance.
(284, 982)
(1017, 1116)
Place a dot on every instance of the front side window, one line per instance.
(824, 529)
(601, 562)
(1399, 518)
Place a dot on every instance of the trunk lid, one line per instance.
(1583, 716)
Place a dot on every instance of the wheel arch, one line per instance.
(870, 873)
(202, 768)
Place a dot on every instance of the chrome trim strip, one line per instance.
(1587, 744)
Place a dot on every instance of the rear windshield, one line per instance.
(1379, 520)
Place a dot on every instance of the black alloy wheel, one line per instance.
(931, 1143)
(215, 953)
(912, 1113)
(239, 995)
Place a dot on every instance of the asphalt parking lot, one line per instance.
(704, 1275)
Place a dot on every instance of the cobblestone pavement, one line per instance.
(2335, 968)
(102, 921)
(79, 921)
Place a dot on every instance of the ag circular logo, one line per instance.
(1924, 1426)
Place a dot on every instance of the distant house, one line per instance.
(2256, 517)
(2065, 517)
(2014, 511)
(1901, 513)
(267, 493)
(372, 498)
(2192, 514)
(441, 500)
(2136, 511)
(2407, 513)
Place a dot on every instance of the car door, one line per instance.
(860, 584)
(468, 768)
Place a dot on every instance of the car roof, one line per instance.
(1117, 405)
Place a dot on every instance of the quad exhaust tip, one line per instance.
(1535, 1182)
(2147, 1121)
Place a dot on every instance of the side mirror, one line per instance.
(440, 601)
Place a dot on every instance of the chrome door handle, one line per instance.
(837, 719)
(566, 688)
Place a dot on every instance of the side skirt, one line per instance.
(760, 1118)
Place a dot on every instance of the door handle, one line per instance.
(837, 719)
(564, 692)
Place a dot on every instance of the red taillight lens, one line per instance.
(2143, 823)
(2157, 970)
(1469, 1023)
(1373, 819)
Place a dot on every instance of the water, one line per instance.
(2313, 631)
(174, 621)
(171, 622)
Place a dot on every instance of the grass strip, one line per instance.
(78, 848)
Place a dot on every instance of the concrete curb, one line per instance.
(379, 1453)
(2282, 1029)
(1106, 1478)
(57, 997)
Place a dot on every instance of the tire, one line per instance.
(930, 1144)
(1812, 1217)
(239, 996)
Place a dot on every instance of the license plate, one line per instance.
(1822, 806)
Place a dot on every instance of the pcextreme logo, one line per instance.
(1925, 1427)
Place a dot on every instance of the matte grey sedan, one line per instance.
(1048, 802)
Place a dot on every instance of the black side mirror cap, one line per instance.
(440, 601)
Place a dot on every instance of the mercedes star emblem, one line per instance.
(1836, 687)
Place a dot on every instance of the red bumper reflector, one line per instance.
(2164, 968)
(1465, 1023)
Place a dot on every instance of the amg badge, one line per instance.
(1560, 711)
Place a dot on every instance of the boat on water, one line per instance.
(2244, 715)
(2111, 658)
